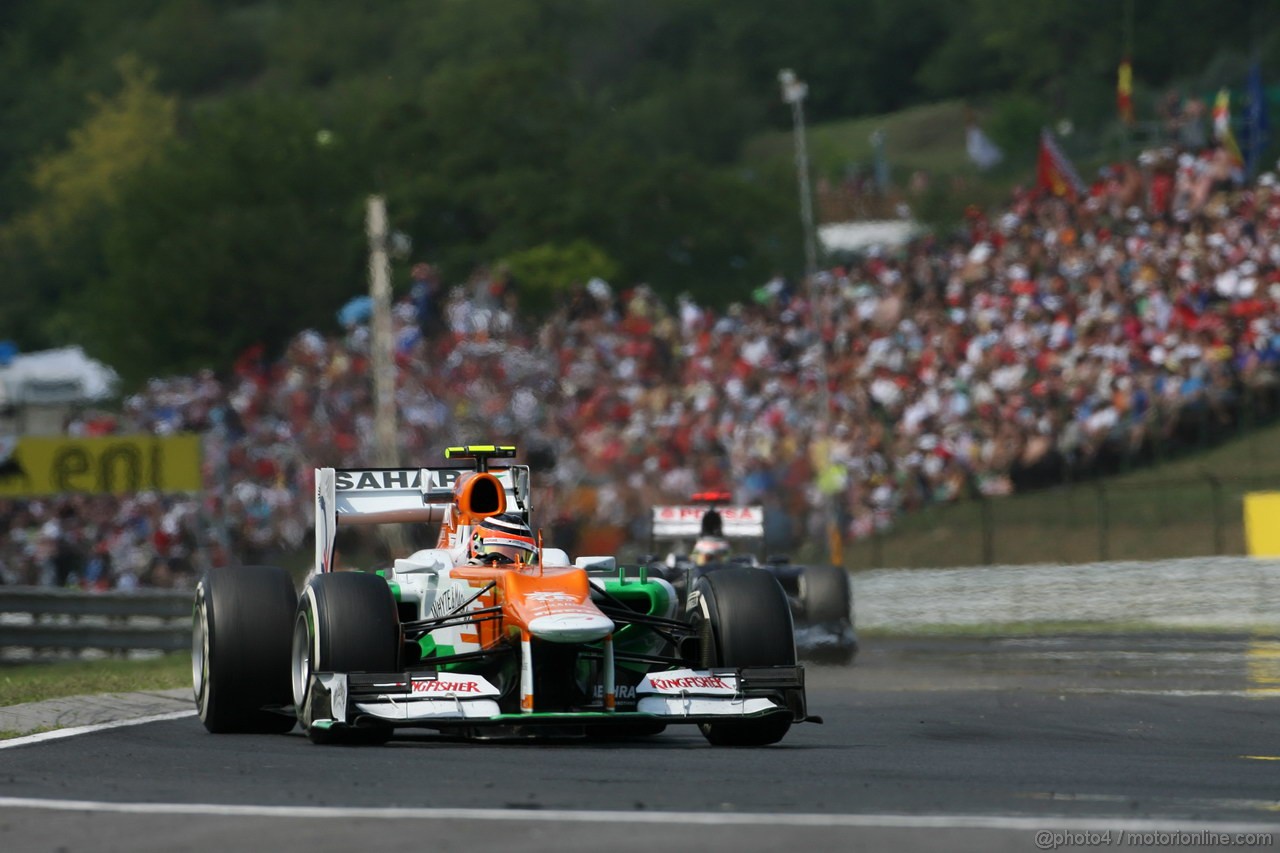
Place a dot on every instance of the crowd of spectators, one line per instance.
(1044, 336)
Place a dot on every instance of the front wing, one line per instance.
(430, 699)
(826, 642)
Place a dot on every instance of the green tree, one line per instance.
(537, 123)
(198, 49)
(48, 252)
(248, 230)
(122, 135)
(546, 273)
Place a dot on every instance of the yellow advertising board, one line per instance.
(116, 465)
(1262, 523)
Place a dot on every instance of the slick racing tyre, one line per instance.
(825, 615)
(825, 593)
(745, 620)
(240, 639)
(346, 622)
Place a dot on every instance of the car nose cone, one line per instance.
(571, 627)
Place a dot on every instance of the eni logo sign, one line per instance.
(109, 465)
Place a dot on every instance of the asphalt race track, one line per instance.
(928, 744)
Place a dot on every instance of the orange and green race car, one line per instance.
(488, 634)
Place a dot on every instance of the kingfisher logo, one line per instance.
(441, 685)
(691, 682)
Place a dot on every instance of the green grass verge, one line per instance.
(22, 683)
(8, 735)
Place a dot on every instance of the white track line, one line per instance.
(901, 821)
(96, 727)
(893, 821)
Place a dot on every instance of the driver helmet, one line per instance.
(502, 539)
(710, 549)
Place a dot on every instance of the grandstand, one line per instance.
(1054, 339)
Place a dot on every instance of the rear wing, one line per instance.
(685, 522)
(395, 495)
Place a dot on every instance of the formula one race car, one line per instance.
(820, 596)
(489, 633)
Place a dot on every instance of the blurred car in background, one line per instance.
(711, 534)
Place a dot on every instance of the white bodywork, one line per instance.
(388, 495)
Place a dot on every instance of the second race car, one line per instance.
(700, 537)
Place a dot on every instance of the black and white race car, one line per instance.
(700, 539)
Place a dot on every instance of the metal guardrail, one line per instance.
(45, 619)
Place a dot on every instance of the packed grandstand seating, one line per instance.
(1052, 339)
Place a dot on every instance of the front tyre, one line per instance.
(346, 622)
(745, 620)
(240, 642)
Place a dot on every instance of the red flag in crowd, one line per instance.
(1124, 91)
(1054, 172)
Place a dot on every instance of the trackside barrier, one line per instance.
(44, 620)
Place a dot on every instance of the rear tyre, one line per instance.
(346, 622)
(826, 598)
(240, 642)
(745, 620)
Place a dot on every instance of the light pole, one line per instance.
(794, 91)
(387, 451)
(384, 370)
